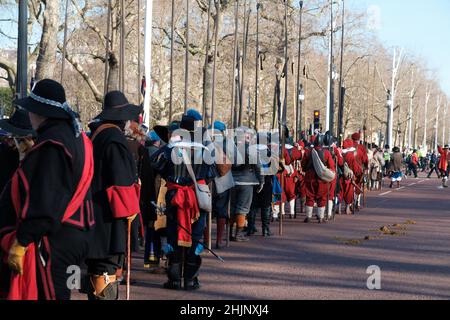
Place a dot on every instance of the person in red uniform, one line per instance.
(353, 170)
(363, 161)
(443, 164)
(317, 190)
(300, 188)
(338, 161)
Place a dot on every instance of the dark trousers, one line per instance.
(68, 247)
(152, 245)
(434, 168)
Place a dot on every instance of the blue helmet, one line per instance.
(194, 114)
(219, 125)
(154, 136)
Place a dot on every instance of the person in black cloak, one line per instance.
(47, 226)
(115, 192)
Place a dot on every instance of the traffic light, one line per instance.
(316, 119)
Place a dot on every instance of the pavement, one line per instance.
(331, 261)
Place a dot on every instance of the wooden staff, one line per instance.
(63, 65)
(235, 57)
(128, 258)
(206, 64)
(186, 61)
(122, 46)
(258, 7)
(107, 48)
(172, 42)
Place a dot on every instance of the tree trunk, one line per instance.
(46, 61)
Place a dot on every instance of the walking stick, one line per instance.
(128, 259)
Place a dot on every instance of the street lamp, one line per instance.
(301, 98)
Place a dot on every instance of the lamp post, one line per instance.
(389, 110)
(22, 51)
(340, 132)
(298, 124)
(300, 99)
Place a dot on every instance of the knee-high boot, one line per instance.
(220, 228)
(265, 219)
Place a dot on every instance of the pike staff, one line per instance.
(298, 125)
(122, 47)
(204, 112)
(186, 61)
(244, 61)
(258, 7)
(235, 58)
(172, 41)
(283, 126)
(63, 60)
(107, 48)
(148, 59)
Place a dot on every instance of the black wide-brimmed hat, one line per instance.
(164, 132)
(18, 125)
(187, 123)
(48, 99)
(117, 108)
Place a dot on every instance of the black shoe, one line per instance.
(322, 221)
(193, 284)
(307, 220)
(172, 285)
(241, 236)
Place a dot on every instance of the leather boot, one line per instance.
(232, 236)
(104, 287)
(174, 275)
(191, 272)
(241, 235)
(265, 219)
(220, 228)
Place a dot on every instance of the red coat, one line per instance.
(443, 163)
(361, 154)
(317, 190)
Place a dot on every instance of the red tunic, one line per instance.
(443, 163)
(317, 190)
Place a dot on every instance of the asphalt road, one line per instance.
(330, 261)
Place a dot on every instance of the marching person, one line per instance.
(363, 161)
(300, 181)
(246, 174)
(221, 199)
(50, 216)
(351, 169)
(317, 189)
(434, 165)
(17, 140)
(186, 221)
(443, 164)
(395, 167)
(115, 193)
(376, 165)
(414, 164)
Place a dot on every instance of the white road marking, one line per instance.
(385, 193)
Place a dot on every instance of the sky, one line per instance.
(421, 27)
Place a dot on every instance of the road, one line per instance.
(330, 261)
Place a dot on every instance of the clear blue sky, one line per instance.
(421, 27)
